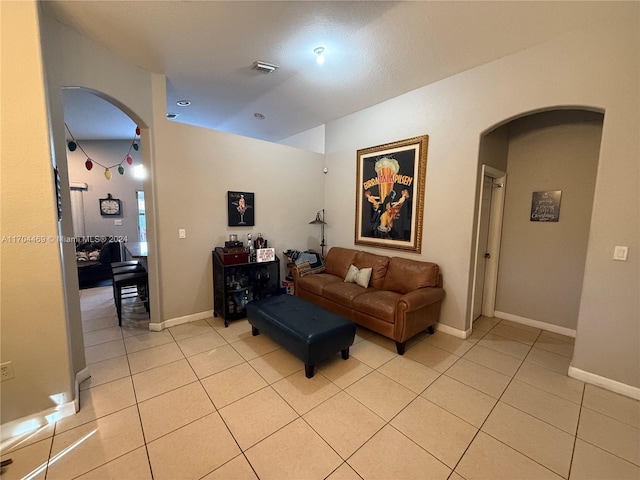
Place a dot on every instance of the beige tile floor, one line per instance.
(200, 401)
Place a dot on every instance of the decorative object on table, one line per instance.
(233, 242)
(110, 206)
(259, 242)
(545, 206)
(265, 254)
(390, 186)
(73, 144)
(241, 209)
(319, 220)
(234, 255)
(249, 248)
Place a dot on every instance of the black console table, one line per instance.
(234, 285)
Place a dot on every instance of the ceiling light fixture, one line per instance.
(264, 67)
(319, 51)
(259, 116)
(183, 103)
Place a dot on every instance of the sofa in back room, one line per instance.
(93, 259)
(395, 297)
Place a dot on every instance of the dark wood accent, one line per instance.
(309, 370)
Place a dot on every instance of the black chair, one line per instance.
(130, 283)
(126, 267)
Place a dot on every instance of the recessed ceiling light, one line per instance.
(259, 116)
(183, 103)
(319, 51)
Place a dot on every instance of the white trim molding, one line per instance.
(536, 323)
(26, 426)
(81, 376)
(604, 382)
(453, 331)
(172, 322)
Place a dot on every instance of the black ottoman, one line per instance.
(304, 329)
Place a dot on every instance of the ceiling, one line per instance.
(374, 51)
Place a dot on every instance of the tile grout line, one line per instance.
(493, 408)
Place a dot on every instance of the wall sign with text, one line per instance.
(545, 206)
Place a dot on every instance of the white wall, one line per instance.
(194, 169)
(596, 68)
(312, 140)
(34, 334)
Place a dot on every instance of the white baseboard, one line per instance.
(30, 423)
(81, 376)
(536, 323)
(172, 322)
(453, 331)
(604, 382)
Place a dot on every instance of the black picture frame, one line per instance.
(241, 209)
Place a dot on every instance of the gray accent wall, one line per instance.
(542, 263)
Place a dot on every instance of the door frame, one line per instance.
(499, 180)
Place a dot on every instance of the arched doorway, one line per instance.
(540, 265)
(104, 156)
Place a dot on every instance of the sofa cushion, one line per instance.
(359, 276)
(377, 303)
(405, 275)
(315, 283)
(342, 293)
(338, 261)
(378, 265)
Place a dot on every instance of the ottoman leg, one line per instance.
(254, 331)
(308, 370)
(345, 353)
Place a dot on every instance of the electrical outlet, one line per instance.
(6, 371)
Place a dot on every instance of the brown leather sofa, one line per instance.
(403, 297)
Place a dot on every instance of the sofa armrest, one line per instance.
(420, 298)
(295, 273)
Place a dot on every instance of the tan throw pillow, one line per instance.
(351, 274)
(358, 276)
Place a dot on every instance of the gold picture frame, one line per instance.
(390, 185)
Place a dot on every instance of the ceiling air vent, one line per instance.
(171, 116)
(264, 67)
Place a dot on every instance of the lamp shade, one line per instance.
(319, 220)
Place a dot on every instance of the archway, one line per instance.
(104, 131)
(541, 264)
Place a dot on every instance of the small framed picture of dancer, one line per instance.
(390, 194)
(241, 209)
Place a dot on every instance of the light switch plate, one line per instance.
(620, 253)
(118, 221)
(182, 233)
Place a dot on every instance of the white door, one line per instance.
(488, 233)
(483, 239)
